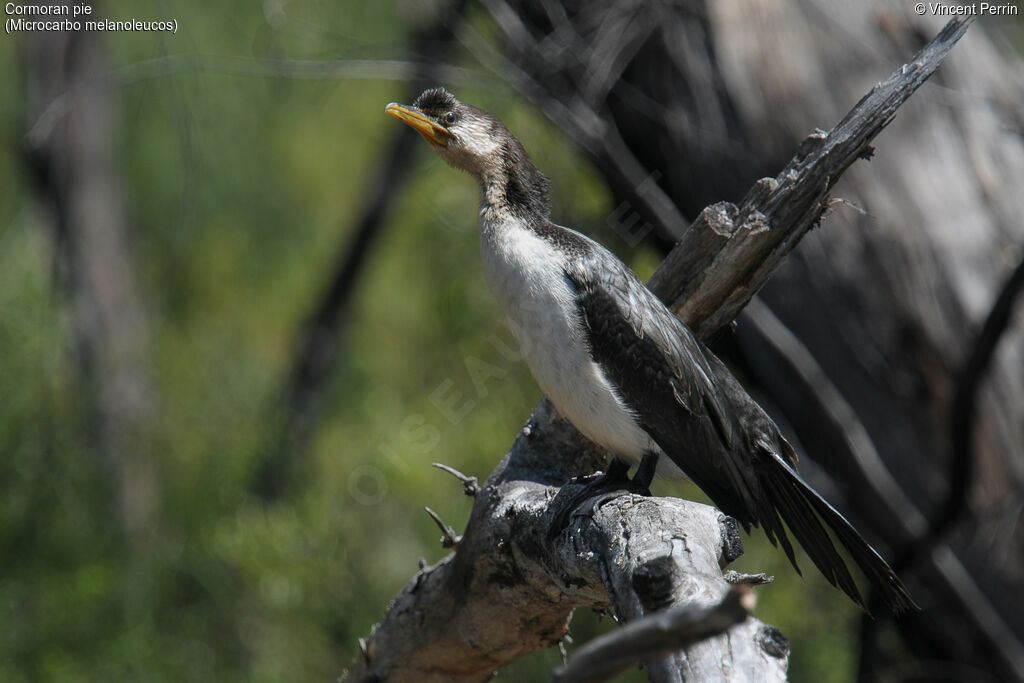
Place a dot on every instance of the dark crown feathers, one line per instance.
(435, 101)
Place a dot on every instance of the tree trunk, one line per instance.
(69, 148)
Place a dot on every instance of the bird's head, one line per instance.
(470, 139)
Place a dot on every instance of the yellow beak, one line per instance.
(432, 132)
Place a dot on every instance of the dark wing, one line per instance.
(697, 412)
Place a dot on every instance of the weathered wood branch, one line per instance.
(508, 589)
(660, 633)
(708, 284)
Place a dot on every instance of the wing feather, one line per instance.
(704, 420)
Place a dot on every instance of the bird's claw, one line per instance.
(597, 490)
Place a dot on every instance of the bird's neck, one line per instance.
(514, 185)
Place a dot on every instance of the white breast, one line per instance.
(524, 272)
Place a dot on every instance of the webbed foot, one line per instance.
(602, 488)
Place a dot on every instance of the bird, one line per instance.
(624, 369)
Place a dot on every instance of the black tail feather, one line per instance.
(776, 532)
(807, 528)
(804, 510)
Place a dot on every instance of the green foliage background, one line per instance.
(240, 190)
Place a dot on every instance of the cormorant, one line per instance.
(621, 366)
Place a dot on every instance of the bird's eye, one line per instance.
(449, 118)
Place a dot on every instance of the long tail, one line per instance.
(803, 510)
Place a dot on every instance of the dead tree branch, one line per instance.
(749, 241)
(507, 590)
(661, 633)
